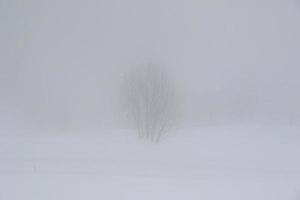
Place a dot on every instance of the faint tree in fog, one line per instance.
(151, 101)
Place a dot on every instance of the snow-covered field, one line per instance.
(232, 163)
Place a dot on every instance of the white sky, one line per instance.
(235, 61)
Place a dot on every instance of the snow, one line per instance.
(228, 162)
(233, 61)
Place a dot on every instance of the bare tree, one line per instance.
(150, 100)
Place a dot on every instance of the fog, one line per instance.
(69, 70)
(234, 62)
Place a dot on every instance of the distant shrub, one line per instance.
(151, 101)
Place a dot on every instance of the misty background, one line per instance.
(234, 62)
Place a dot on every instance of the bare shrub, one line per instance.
(151, 101)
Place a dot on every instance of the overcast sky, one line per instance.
(234, 61)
